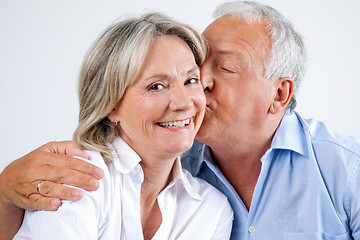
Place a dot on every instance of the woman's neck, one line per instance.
(157, 175)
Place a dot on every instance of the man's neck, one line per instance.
(241, 166)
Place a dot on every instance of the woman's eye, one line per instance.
(192, 81)
(155, 87)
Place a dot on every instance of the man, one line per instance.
(285, 177)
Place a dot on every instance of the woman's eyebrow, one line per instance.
(194, 69)
(164, 75)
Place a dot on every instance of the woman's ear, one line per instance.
(284, 89)
(114, 116)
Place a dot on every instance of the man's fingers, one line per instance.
(50, 164)
(84, 167)
(39, 202)
(60, 191)
(68, 162)
(69, 148)
(42, 201)
(69, 177)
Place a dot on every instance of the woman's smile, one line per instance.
(176, 124)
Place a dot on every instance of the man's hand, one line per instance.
(51, 163)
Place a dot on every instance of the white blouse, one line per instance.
(190, 207)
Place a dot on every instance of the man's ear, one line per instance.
(284, 89)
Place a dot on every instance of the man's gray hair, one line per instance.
(288, 57)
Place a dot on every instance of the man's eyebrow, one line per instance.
(244, 62)
(232, 53)
(209, 49)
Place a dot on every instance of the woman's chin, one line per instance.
(178, 148)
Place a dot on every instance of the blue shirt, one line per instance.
(308, 187)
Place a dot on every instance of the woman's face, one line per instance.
(162, 111)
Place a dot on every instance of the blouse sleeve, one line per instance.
(224, 227)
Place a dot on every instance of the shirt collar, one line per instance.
(290, 135)
(192, 159)
(178, 176)
(208, 155)
(126, 159)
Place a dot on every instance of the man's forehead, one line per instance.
(237, 24)
(234, 52)
(232, 35)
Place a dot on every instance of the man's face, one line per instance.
(237, 95)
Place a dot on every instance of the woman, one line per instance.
(141, 104)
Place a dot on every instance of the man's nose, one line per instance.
(206, 76)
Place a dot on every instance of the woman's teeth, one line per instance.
(176, 124)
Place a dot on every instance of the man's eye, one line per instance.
(192, 81)
(155, 87)
(227, 70)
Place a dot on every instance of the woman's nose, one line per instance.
(180, 99)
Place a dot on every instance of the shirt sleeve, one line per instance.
(83, 219)
(354, 200)
(223, 229)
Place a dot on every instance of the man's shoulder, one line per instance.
(338, 159)
(323, 137)
(335, 154)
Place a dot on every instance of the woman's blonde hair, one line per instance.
(112, 64)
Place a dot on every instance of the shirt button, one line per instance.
(251, 229)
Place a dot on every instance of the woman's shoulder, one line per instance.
(95, 158)
(104, 191)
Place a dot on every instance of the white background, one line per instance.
(42, 44)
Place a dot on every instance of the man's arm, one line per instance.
(52, 164)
